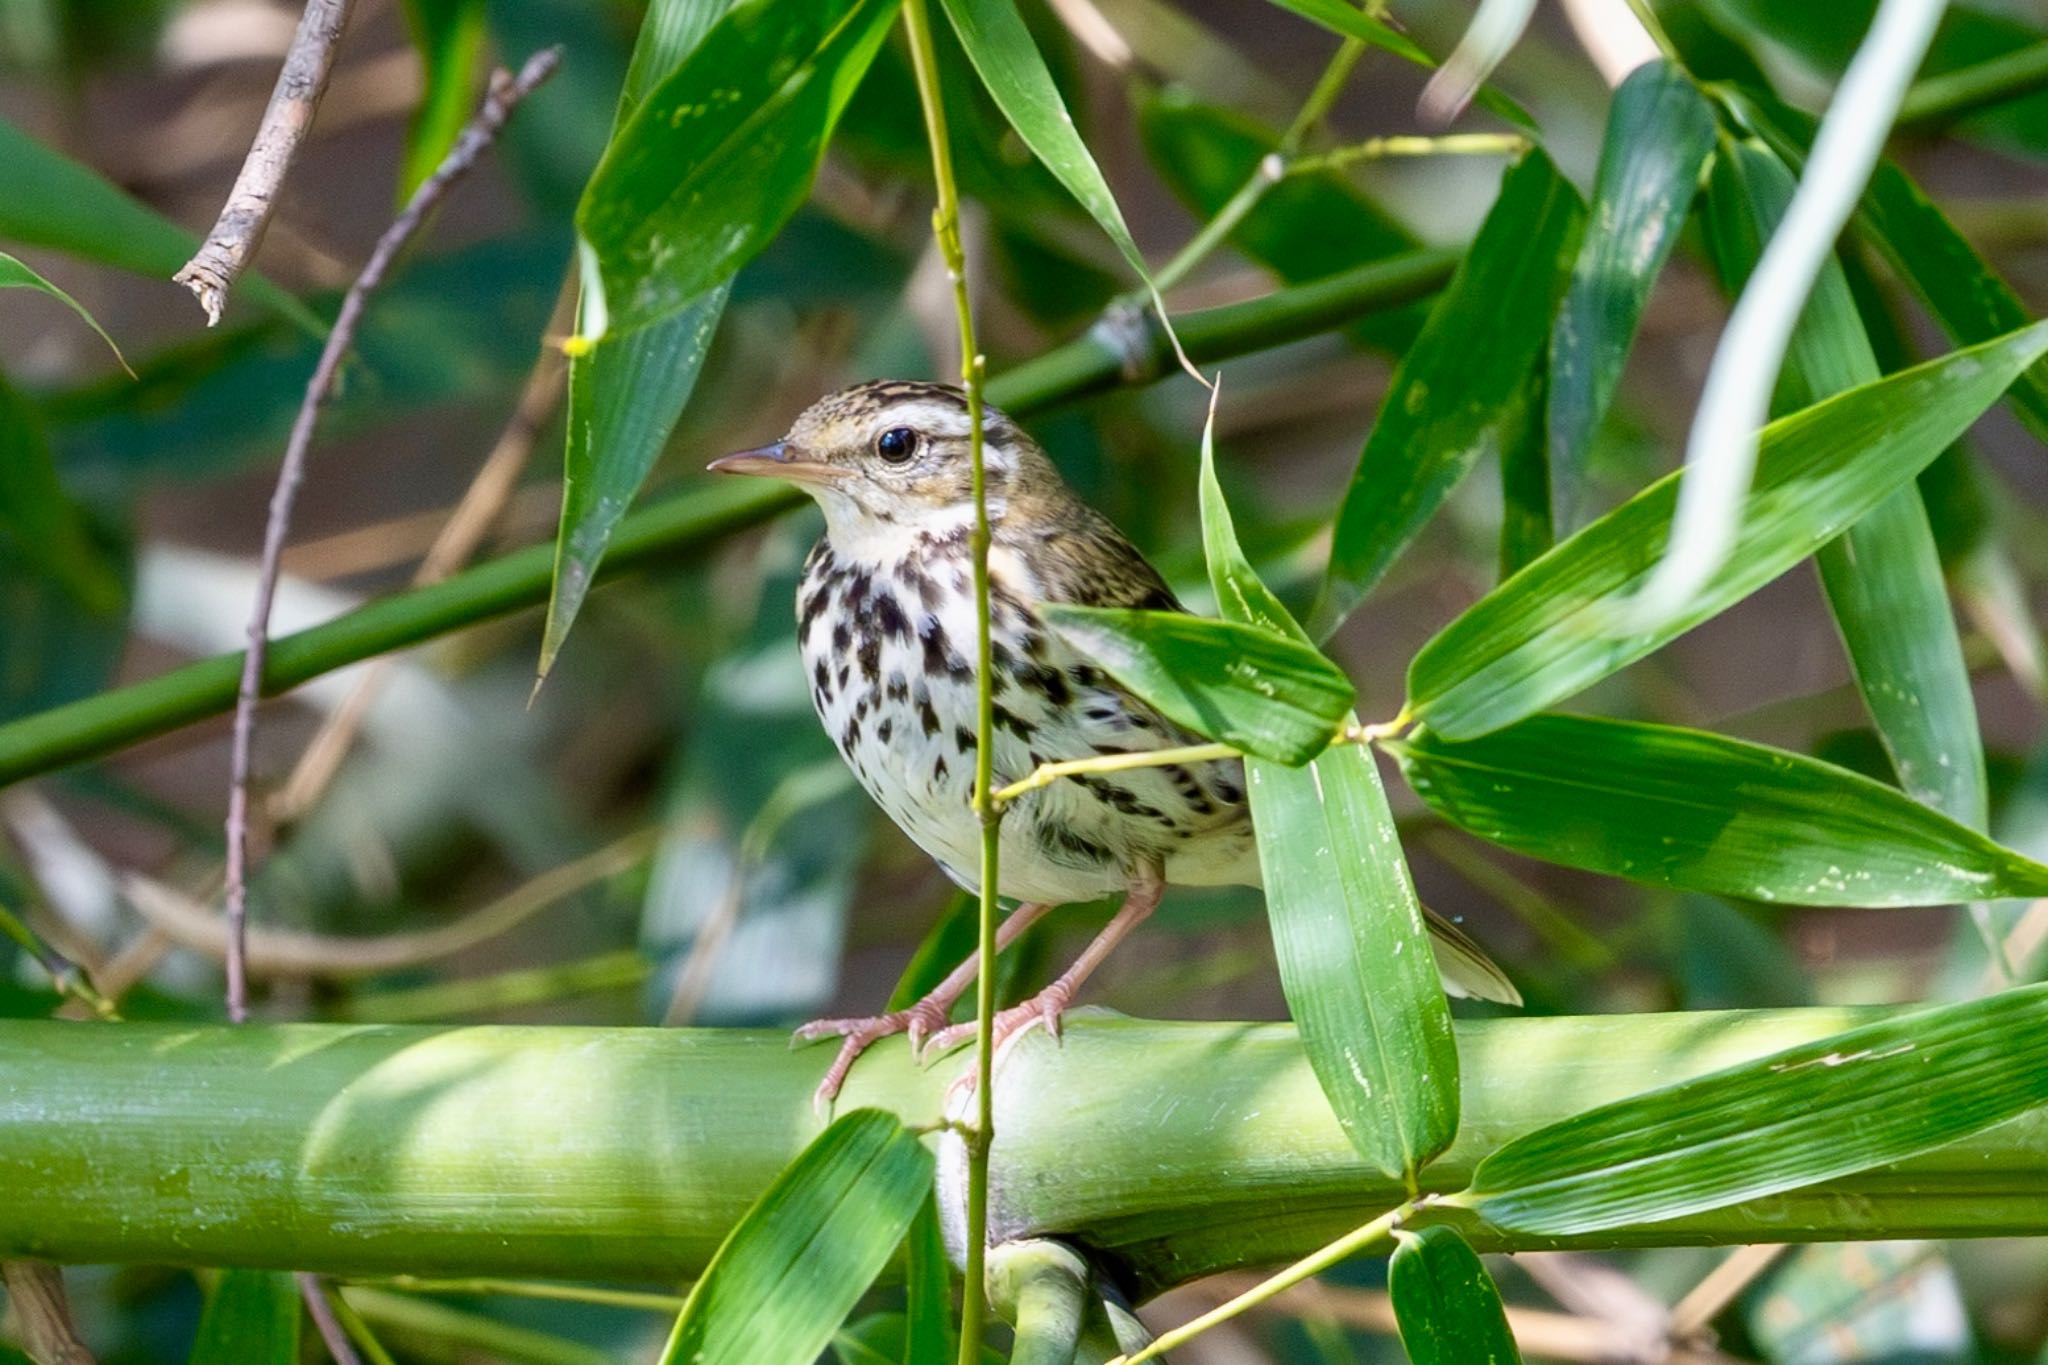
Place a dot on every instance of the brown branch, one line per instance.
(314, 1291)
(303, 79)
(189, 924)
(505, 94)
(458, 541)
(42, 1313)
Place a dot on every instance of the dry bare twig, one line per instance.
(505, 95)
(314, 1291)
(300, 83)
(42, 1313)
(456, 544)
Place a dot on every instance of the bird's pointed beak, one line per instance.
(777, 461)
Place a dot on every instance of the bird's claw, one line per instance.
(919, 1021)
(1044, 1008)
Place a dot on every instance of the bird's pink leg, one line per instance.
(928, 1016)
(1047, 1006)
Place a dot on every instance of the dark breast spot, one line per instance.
(889, 616)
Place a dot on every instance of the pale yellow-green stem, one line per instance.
(1315, 1263)
(946, 226)
(1045, 774)
(1409, 145)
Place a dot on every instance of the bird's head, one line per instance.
(890, 459)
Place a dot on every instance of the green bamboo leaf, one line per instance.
(1660, 134)
(1527, 525)
(1829, 1108)
(1241, 684)
(1000, 47)
(449, 37)
(1461, 389)
(718, 156)
(1556, 627)
(1967, 296)
(53, 201)
(1445, 1303)
(251, 1318)
(928, 1289)
(1883, 576)
(1703, 812)
(1346, 21)
(15, 275)
(795, 1265)
(627, 390)
(1241, 595)
(1348, 933)
(39, 522)
(1306, 227)
(1342, 19)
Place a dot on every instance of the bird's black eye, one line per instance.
(896, 445)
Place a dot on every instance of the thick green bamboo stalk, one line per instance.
(1169, 1151)
(676, 527)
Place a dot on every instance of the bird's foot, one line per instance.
(927, 1017)
(1045, 1008)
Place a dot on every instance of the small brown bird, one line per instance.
(887, 625)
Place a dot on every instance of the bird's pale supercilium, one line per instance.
(886, 622)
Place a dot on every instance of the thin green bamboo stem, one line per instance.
(480, 1286)
(672, 528)
(1268, 173)
(1953, 94)
(946, 228)
(358, 1331)
(1171, 1151)
(419, 1320)
(69, 979)
(1365, 1237)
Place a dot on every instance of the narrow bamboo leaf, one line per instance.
(927, 1289)
(1241, 595)
(1660, 133)
(1303, 228)
(15, 275)
(1241, 684)
(1345, 21)
(251, 1318)
(999, 45)
(796, 1264)
(55, 202)
(627, 390)
(1348, 932)
(1965, 294)
(1883, 575)
(1829, 1108)
(1457, 393)
(1528, 525)
(1348, 22)
(1445, 1303)
(718, 156)
(1703, 812)
(39, 522)
(449, 37)
(1556, 627)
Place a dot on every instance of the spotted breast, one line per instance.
(888, 646)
